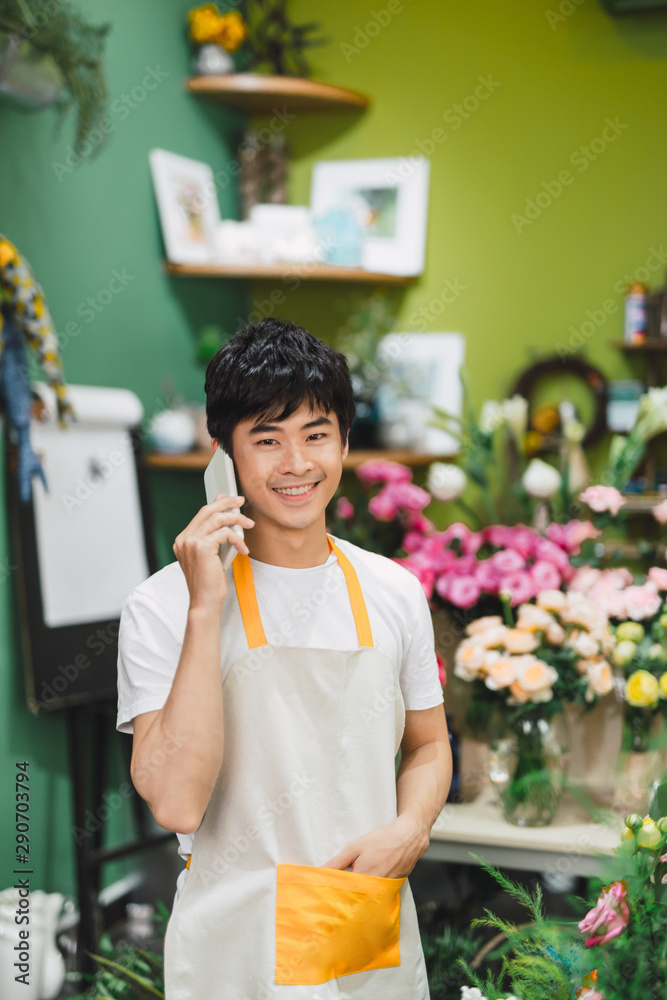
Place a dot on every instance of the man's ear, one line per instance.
(214, 444)
(346, 447)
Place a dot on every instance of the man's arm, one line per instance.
(422, 784)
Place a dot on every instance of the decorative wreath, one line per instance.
(592, 377)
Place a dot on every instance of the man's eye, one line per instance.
(267, 441)
(319, 434)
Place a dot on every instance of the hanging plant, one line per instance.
(275, 42)
(76, 48)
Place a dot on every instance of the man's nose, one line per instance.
(295, 458)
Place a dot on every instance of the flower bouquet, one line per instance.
(523, 673)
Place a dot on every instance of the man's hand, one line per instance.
(391, 852)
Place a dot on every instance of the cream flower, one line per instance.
(541, 480)
(500, 674)
(493, 637)
(583, 644)
(534, 680)
(468, 659)
(533, 619)
(517, 640)
(481, 624)
(555, 634)
(600, 678)
(579, 610)
(551, 600)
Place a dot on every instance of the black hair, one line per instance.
(267, 370)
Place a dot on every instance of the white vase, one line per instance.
(213, 59)
(46, 966)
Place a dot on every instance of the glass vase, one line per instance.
(640, 766)
(528, 766)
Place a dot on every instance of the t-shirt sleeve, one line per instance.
(149, 647)
(420, 683)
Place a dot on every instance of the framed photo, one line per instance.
(420, 370)
(188, 206)
(389, 197)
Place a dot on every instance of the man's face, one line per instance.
(303, 453)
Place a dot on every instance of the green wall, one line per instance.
(554, 85)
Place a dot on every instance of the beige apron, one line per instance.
(310, 738)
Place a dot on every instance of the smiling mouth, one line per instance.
(296, 492)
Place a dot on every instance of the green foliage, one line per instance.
(441, 952)
(77, 49)
(277, 44)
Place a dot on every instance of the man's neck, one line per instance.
(295, 548)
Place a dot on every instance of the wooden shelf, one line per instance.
(641, 503)
(306, 271)
(197, 460)
(655, 344)
(257, 94)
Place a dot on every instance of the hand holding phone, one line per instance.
(219, 478)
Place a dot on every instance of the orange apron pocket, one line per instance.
(332, 923)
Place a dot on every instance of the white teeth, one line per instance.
(294, 491)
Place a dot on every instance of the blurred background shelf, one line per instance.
(256, 94)
(198, 459)
(306, 272)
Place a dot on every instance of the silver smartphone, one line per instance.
(219, 478)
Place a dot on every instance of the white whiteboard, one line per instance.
(89, 529)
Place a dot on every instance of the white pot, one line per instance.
(46, 966)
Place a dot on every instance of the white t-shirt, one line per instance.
(308, 608)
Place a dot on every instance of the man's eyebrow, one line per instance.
(265, 428)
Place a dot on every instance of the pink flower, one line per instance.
(407, 496)
(547, 550)
(416, 521)
(473, 542)
(570, 536)
(602, 499)
(658, 576)
(584, 578)
(499, 535)
(523, 540)
(464, 566)
(507, 561)
(545, 576)
(458, 530)
(442, 672)
(463, 591)
(609, 917)
(379, 470)
(413, 541)
(344, 508)
(383, 507)
(660, 512)
(642, 602)
(519, 585)
(611, 580)
(424, 573)
(487, 576)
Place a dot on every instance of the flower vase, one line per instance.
(639, 767)
(528, 766)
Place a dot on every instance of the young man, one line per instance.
(268, 705)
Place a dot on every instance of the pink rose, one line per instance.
(545, 576)
(458, 530)
(611, 580)
(464, 566)
(413, 541)
(473, 542)
(407, 496)
(519, 585)
(642, 602)
(416, 521)
(507, 561)
(602, 499)
(500, 535)
(379, 470)
(613, 605)
(609, 917)
(463, 591)
(383, 507)
(344, 508)
(658, 576)
(523, 540)
(584, 578)
(660, 512)
(570, 536)
(551, 553)
(487, 576)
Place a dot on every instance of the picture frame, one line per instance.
(187, 206)
(420, 370)
(390, 198)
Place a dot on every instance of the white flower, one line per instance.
(652, 414)
(583, 644)
(541, 480)
(492, 417)
(574, 431)
(515, 412)
(445, 481)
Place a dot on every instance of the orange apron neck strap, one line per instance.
(245, 589)
(359, 611)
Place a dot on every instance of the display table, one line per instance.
(571, 845)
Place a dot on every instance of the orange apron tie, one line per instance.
(245, 589)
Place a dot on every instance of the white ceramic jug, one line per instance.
(46, 972)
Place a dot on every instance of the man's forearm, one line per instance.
(178, 760)
(423, 781)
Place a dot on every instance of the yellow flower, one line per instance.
(649, 835)
(208, 25)
(7, 253)
(642, 689)
(632, 631)
(663, 685)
